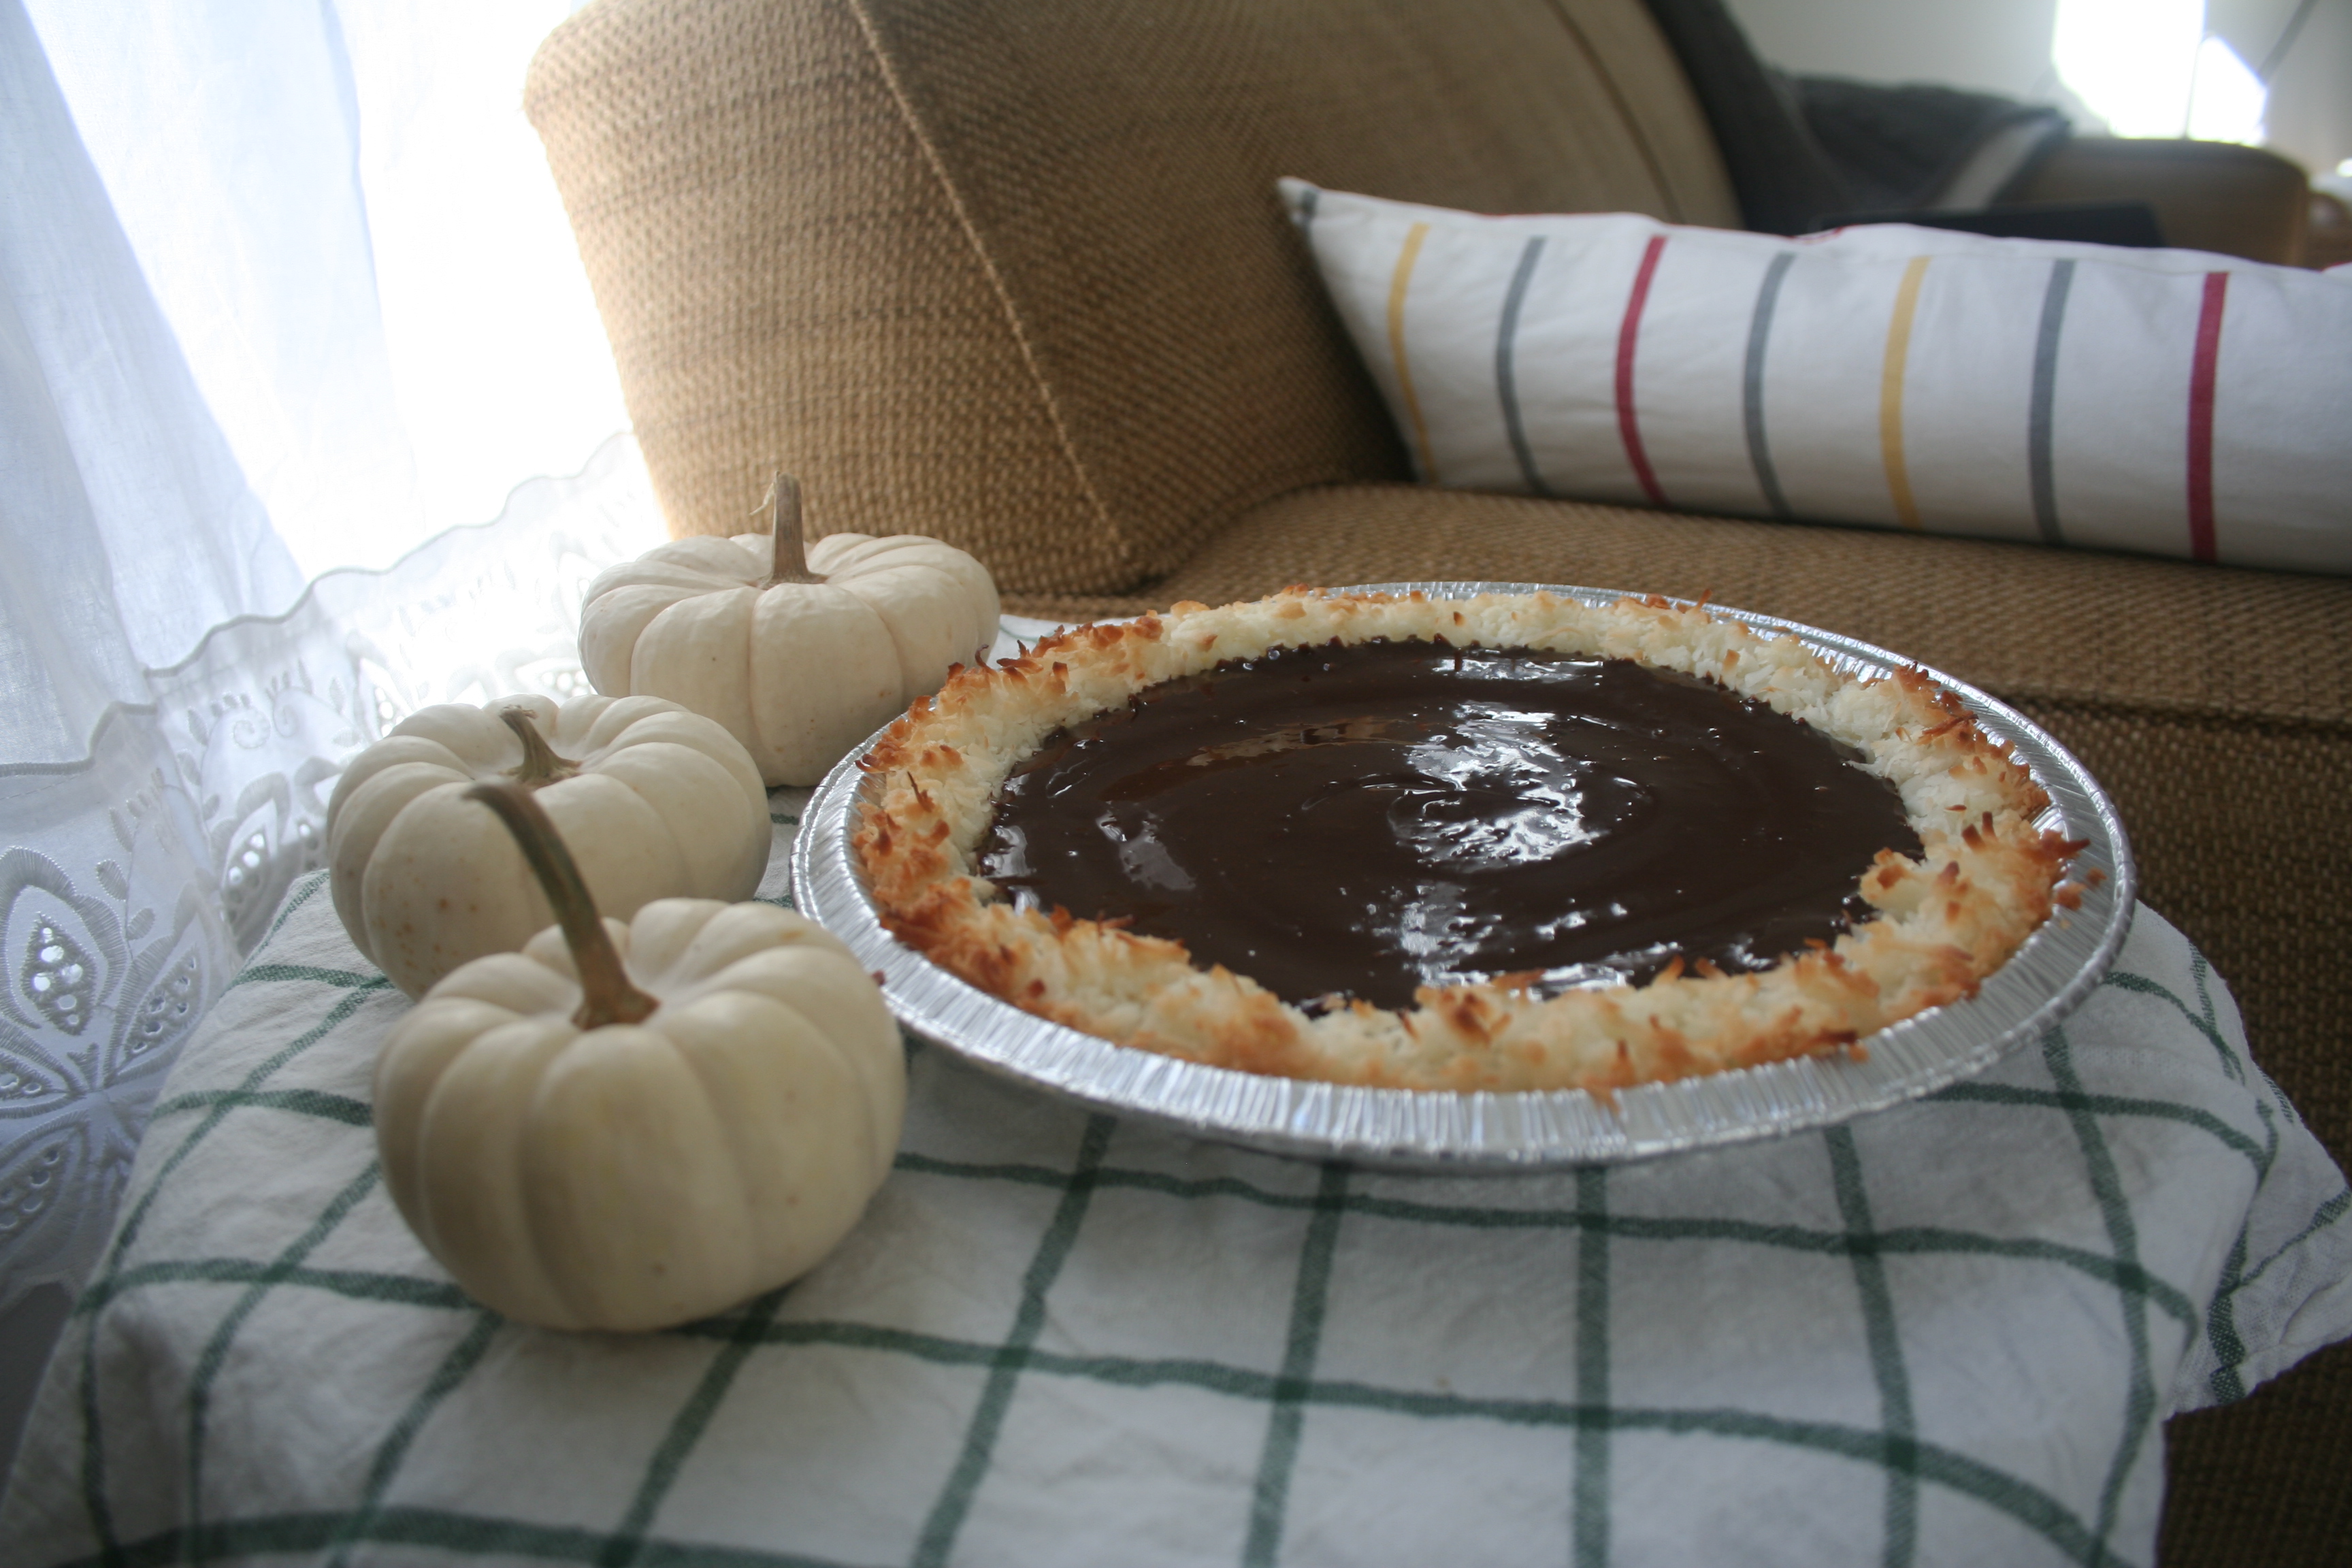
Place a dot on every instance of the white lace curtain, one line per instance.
(288, 308)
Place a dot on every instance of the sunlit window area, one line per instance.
(2132, 62)
(2227, 103)
(2150, 68)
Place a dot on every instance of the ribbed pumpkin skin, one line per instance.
(798, 672)
(665, 804)
(640, 1175)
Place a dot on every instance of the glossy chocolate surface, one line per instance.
(1361, 821)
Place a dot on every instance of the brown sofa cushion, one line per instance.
(2208, 196)
(2070, 626)
(1012, 272)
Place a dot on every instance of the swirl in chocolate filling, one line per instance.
(1358, 821)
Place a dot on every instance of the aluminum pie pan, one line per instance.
(2049, 976)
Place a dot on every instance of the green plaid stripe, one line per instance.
(303, 891)
(2114, 1210)
(1886, 1350)
(685, 1430)
(215, 1350)
(339, 1107)
(441, 1530)
(1588, 1520)
(2327, 1215)
(2222, 1325)
(466, 1533)
(351, 1284)
(1005, 1365)
(361, 1285)
(1966, 1475)
(2204, 1017)
(463, 1356)
(1591, 1215)
(279, 973)
(94, 1480)
(1309, 1299)
(1585, 1203)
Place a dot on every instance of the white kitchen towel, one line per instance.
(1947, 1334)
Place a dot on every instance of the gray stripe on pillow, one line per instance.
(1760, 332)
(1505, 383)
(2045, 390)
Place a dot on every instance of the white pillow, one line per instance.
(2163, 401)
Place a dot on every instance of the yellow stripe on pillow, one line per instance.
(1398, 283)
(1890, 392)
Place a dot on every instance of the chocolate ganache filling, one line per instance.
(1360, 821)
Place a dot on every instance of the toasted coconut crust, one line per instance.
(1943, 922)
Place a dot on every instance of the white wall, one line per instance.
(1996, 46)
(2003, 46)
(2310, 114)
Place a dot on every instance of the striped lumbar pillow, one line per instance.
(2163, 401)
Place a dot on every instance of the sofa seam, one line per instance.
(1673, 198)
(1121, 549)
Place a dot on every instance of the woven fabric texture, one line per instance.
(1944, 1332)
(1013, 273)
(2018, 619)
(2280, 1433)
(786, 283)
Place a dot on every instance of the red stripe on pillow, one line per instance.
(1628, 426)
(2200, 417)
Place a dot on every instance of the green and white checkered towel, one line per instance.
(1945, 1334)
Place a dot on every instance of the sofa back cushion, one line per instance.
(1012, 272)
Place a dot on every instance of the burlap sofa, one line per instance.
(1011, 273)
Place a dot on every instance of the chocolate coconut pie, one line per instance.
(1497, 843)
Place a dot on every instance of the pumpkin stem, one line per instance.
(540, 764)
(791, 560)
(608, 997)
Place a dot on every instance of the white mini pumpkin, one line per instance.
(800, 651)
(663, 804)
(632, 1125)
